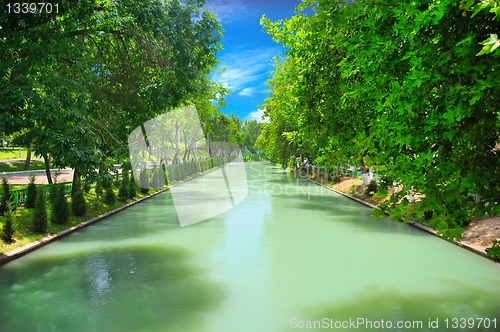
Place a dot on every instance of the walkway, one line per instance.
(41, 177)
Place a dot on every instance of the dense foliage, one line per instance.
(406, 85)
(74, 83)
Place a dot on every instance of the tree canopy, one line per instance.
(75, 82)
(406, 85)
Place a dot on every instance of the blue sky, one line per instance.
(248, 51)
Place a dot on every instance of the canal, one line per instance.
(290, 254)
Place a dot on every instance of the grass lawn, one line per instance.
(23, 219)
(15, 167)
(10, 153)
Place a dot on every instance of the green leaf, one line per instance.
(490, 45)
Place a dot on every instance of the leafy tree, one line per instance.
(74, 82)
(400, 85)
(40, 218)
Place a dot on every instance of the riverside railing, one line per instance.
(20, 195)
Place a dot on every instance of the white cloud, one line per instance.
(245, 67)
(257, 115)
(228, 10)
(248, 92)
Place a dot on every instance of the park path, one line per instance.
(41, 176)
(21, 177)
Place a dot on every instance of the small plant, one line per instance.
(8, 229)
(371, 189)
(79, 204)
(494, 250)
(123, 192)
(60, 206)
(109, 196)
(132, 192)
(31, 192)
(6, 196)
(164, 173)
(40, 219)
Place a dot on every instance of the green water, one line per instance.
(290, 252)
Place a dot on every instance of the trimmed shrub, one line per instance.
(109, 196)
(372, 187)
(211, 163)
(106, 182)
(31, 192)
(78, 204)
(164, 172)
(132, 192)
(123, 193)
(6, 196)
(8, 229)
(40, 219)
(60, 206)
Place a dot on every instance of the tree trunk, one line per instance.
(27, 165)
(74, 184)
(363, 167)
(47, 168)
